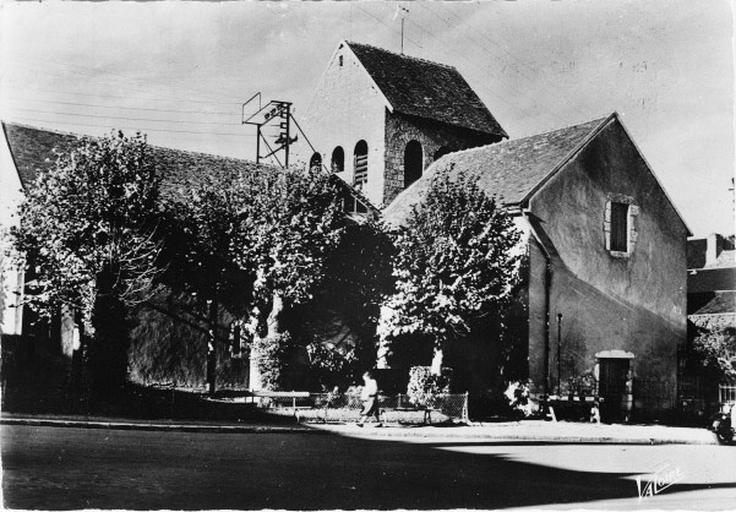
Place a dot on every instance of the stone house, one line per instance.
(711, 281)
(378, 119)
(606, 258)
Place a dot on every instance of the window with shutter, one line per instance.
(619, 227)
(360, 164)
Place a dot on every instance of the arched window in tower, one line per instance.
(413, 162)
(315, 161)
(360, 164)
(338, 160)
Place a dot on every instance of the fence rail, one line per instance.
(726, 393)
(347, 407)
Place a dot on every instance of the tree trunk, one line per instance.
(436, 367)
(273, 329)
(273, 322)
(212, 349)
(109, 350)
(383, 351)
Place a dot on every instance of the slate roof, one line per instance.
(711, 279)
(32, 150)
(721, 303)
(426, 89)
(510, 169)
(726, 259)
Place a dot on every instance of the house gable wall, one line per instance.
(11, 277)
(632, 302)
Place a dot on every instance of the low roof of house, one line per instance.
(33, 148)
(511, 169)
(711, 279)
(426, 89)
(726, 259)
(721, 303)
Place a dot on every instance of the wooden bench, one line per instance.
(286, 395)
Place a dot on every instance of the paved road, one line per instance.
(70, 468)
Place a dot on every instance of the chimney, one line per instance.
(713, 248)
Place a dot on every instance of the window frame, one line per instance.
(626, 249)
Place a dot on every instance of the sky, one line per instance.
(180, 71)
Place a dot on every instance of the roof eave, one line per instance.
(579, 147)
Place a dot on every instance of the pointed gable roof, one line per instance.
(426, 89)
(512, 169)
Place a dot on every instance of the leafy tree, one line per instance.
(203, 249)
(294, 220)
(454, 265)
(358, 277)
(87, 230)
(718, 348)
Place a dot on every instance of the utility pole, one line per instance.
(274, 114)
(559, 352)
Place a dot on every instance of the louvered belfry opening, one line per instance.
(360, 164)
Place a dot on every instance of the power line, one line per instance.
(552, 115)
(128, 97)
(136, 128)
(147, 109)
(101, 116)
(99, 76)
(536, 75)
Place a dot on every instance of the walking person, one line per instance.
(369, 396)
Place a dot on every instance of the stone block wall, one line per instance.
(433, 136)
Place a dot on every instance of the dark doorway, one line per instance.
(612, 389)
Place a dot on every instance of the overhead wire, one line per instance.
(136, 128)
(235, 112)
(121, 118)
(108, 76)
(536, 76)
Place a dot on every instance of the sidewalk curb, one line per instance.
(385, 433)
(446, 434)
(161, 427)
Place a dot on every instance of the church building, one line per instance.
(378, 119)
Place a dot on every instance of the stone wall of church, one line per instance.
(433, 136)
